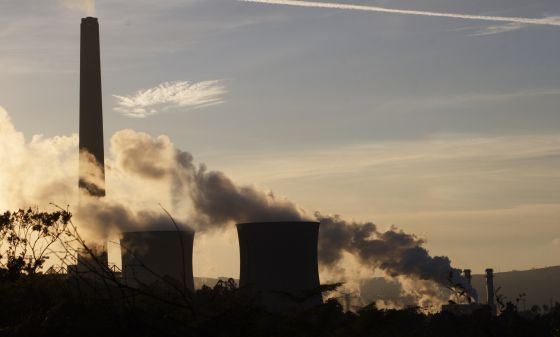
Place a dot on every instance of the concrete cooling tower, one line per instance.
(158, 256)
(279, 262)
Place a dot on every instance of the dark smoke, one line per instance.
(393, 251)
(219, 201)
(216, 199)
(105, 216)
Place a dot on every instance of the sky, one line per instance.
(444, 127)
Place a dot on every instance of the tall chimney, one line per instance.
(92, 170)
(490, 290)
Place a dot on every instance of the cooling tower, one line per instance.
(158, 256)
(278, 260)
(92, 171)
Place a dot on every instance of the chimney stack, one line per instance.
(490, 290)
(92, 170)
(468, 276)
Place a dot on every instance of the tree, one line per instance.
(28, 238)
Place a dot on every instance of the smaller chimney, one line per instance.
(472, 293)
(490, 290)
(467, 273)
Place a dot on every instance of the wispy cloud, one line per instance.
(549, 21)
(437, 156)
(170, 96)
(498, 29)
(508, 27)
(476, 98)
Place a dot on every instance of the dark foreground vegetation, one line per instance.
(52, 306)
(39, 302)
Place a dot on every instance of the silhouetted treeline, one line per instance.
(50, 305)
(96, 302)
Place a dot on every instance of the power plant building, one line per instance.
(278, 261)
(164, 257)
(90, 263)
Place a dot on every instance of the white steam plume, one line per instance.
(549, 21)
(86, 6)
(44, 170)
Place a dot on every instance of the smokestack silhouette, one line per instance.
(92, 170)
(490, 290)
(468, 276)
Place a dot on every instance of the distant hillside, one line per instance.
(541, 286)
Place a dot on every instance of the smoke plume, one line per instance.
(215, 199)
(143, 172)
(218, 201)
(393, 251)
(85, 6)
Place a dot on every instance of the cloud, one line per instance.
(483, 154)
(509, 27)
(549, 21)
(170, 96)
(498, 29)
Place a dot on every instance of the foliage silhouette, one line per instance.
(36, 303)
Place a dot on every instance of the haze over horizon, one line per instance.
(445, 128)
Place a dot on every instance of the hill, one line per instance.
(540, 286)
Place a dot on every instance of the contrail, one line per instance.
(550, 21)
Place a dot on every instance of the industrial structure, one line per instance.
(460, 309)
(490, 290)
(147, 257)
(92, 169)
(469, 308)
(91, 263)
(468, 275)
(164, 257)
(278, 262)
